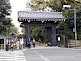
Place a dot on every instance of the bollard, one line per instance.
(80, 44)
(68, 45)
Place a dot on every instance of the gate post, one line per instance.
(54, 43)
(27, 32)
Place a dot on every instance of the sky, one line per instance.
(17, 5)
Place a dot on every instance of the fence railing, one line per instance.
(72, 43)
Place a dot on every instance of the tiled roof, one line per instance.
(40, 15)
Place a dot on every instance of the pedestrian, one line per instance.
(29, 43)
(33, 42)
(17, 44)
(12, 45)
(21, 43)
(39, 41)
(7, 44)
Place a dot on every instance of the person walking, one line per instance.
(12, 45)
(17, 44)
(7, 44)
(29, 43)
(33, 42)
(21, 43)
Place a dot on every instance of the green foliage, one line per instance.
(5, 22)
(67, 26)
(39, 32)
(13, 29)
(55, 5)
(38, 4)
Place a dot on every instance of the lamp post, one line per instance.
(75, 25)
(67, 7)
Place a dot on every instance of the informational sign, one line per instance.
(73, 29)
(58, 38)
(67, 6)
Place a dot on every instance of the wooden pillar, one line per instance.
(54, 35)
(28, 32)
(49, 32)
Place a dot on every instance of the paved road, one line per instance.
(12, 56)
(42, 54)
(53, 54)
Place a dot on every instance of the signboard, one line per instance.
(67, 6)
(58, 38)
(73, 29)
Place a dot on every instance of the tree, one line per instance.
(39, 32)
(5, 21)
(55, 5)
(14, 29)
(66, 27)
(38, 4)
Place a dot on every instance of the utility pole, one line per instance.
(67, 7)
(75, 27)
